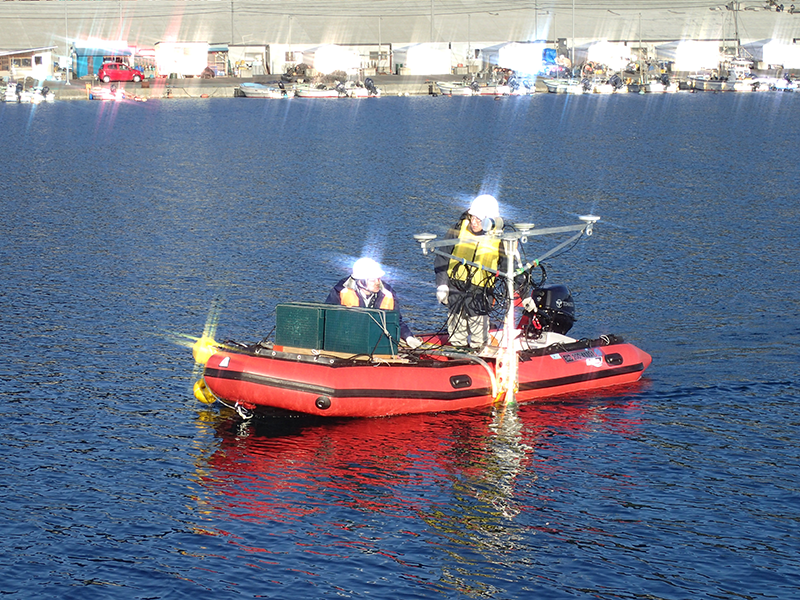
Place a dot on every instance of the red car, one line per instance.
(113, 71)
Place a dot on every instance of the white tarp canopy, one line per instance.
(522, 58)
(615, 55)
(250, 56)
(773, 52)
(329, 58)
(690, 55)
(425, 59)
(183, 58)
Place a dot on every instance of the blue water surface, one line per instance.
(127, 226)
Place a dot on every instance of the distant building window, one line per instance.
(289, 57)
(24, 63)
(37, 60)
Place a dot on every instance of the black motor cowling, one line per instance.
(556, 310)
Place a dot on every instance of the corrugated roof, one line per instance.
(26, 50)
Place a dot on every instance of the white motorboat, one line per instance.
(612, 85)
(17, 93)
(320, 90)
(358, 90)
(492, 89)
(564, 86)
(782, 84)
(734, 76)
(473, 88)
(658, 86)
(455, 88)
(699, 81)
(521, 86)
(260, 90)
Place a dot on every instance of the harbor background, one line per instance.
(226, 87)
(25, 23)
(128, 226)
(45, 40)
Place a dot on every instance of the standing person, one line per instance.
(365, 288)
(466, 289)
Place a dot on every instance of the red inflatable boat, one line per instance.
(317, 370)
(264, 378)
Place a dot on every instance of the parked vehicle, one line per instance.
(114, 71)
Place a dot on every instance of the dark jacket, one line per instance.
(346, 290)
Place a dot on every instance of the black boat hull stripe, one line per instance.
(319, 390)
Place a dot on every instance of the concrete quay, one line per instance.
(225, 87)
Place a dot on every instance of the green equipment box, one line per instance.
(337, 328)
(362, 330)
(300, 325)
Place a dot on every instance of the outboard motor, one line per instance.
(341, 89)
(19, 89)
(587, 85)
(475, 86)
(370, 85)
(616, 82)
(665, 79)
(555, 308)
(513, 83)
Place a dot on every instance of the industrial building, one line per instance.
(255, 36)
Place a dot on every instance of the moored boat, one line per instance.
(319, 91)
(260, 90)
(492, 89)
(782, 84)
(564, 86)
(368, 89)
(113, 94)
(456, 88)
(473, 88)
(334, 361)
(521, 86)
(734, 76)
(661, 85)
(699, 81)
(18, 93)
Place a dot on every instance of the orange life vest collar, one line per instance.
(349, 296)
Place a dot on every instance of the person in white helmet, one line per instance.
(365, 287)
(466, 289)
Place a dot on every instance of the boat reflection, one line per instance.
(456, 472)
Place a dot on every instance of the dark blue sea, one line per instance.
(128, 228)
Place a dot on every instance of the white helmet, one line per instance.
(485, 207)
(366, 268)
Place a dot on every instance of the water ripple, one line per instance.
(126, 226)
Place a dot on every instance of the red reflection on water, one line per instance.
(284, 470)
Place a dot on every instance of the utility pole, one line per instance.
(67, 53)
(432, 21)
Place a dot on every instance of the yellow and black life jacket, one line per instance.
(485, 252)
